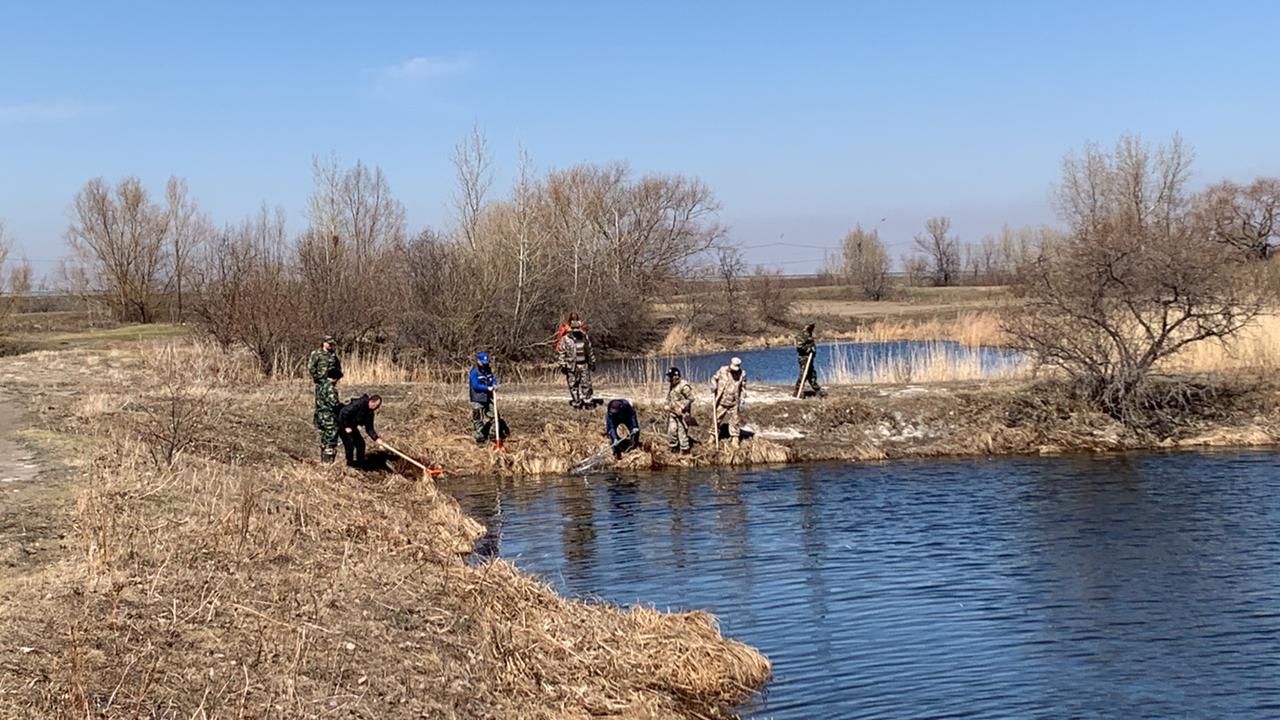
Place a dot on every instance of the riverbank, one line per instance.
(207, 568)
(850, 424)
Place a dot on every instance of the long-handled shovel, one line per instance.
(433, 471)
(808, 363)
(715, 418)
(497, 423)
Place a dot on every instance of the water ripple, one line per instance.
(1140, 586)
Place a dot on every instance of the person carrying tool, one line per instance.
(323, 358)
(620, 413)
(679, 407)
(577, 363)
(481, 385)
(806, 354)
(326, 414)
(355, 415)
(730, 383)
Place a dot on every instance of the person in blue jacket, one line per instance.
(617, 414)
(482, 384)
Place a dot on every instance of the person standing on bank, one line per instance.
(679, 407)
(326, 415)
(806, 355)
(320, 360)
(577, 362)
(355, 415)
(730, 383)
(481, 384)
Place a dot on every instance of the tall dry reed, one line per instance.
(928, 363)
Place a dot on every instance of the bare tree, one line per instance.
(473, 169)
(1246, 217)
(118, 237)
(355, 235)
(940, 249)
(248, 293)
(728, 272)
(1136, 278)
(186, 230)
(15, 286)
(866, 262)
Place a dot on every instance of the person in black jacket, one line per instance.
(354, 415)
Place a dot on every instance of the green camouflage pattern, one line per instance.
(805, 344)
(320, 361)
(806, 347)
(326, 416)
(808, 373)
(481, 420)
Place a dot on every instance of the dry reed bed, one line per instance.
(239, 582)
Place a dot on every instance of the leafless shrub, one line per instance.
(179, 411)
(916, 269)
(1245, 217)
(1137, 277)
(770, 296)
(865, 262)
(249, 294)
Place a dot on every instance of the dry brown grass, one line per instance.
(240, 582)
(1255, 347)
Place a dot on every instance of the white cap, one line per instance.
(736, 363)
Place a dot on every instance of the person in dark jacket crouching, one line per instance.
(620, 413)
(355, 415)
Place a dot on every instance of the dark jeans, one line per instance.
(352, 446)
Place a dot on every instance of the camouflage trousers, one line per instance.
(730, 416)
(481, 420)
(580, 389)
(677, 433)
(810, 377)
(326, 422)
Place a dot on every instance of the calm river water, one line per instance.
(1119, 587)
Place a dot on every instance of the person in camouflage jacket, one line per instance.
(806, 355)
(679, 407)
(321, 360)
(577, 362)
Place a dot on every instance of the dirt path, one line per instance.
(33, 503)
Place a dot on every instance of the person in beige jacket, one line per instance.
(730, 383)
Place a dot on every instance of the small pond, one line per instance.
(1143, 586)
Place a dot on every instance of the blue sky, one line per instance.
(803, 117)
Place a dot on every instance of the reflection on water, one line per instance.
(1136, 586)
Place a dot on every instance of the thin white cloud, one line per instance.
(429, 68)
(54, 111)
